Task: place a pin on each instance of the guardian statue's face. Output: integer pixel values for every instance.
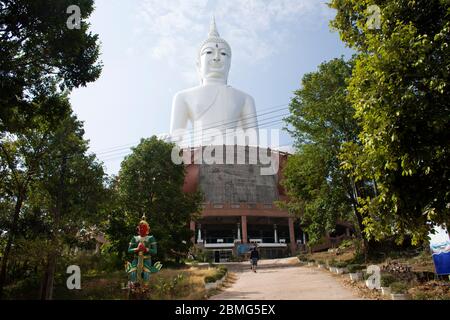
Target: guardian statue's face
(143, 229)
(214, 61)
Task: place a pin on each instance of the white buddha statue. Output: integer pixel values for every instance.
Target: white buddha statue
(213, 105)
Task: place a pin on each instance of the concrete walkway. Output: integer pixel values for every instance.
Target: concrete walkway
(283, 279)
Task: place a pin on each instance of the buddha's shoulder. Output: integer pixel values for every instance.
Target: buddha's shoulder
(240, 93)
(187, 92)
(200, 90)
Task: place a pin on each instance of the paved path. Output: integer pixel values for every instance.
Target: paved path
(283, 279)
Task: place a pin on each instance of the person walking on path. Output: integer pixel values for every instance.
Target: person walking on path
(254, 257)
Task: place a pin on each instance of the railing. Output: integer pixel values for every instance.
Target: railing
(250, 239)
(242, 205)
(219, 240)
(269, 239)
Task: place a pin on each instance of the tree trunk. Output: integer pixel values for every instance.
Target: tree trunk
(49, 275)
(48, 278)
(354, 196)
(9, 242)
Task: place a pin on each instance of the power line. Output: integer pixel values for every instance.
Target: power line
(261, 126)
(190, 131)
(212, 125)
(198, 139)
(257, 125)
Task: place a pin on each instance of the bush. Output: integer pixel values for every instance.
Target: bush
(320, 262)
(399, 287)
(169, 288)
(302, 258)
(346, 244)
(341, 264)
(367, 275)
(237, 258)
(210, 279)
(353, 268)
(332, 263)
(204, 256)
(221, 271)
(387, 279)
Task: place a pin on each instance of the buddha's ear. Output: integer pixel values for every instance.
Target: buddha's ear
(197, 64)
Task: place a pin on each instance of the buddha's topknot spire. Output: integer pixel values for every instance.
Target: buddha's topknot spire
(213, 33)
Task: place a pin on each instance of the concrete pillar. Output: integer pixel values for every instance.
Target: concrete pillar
(347, 232)
(304, 237)
(239, 231)
(275, 235)
(192, 227)
(292, 236)
(244, 229)
(199, 239)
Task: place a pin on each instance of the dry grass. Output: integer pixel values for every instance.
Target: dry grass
(191, 287)
(345, 255)
(421, 262)
(433, 290)
(164, 285)
(229, 281)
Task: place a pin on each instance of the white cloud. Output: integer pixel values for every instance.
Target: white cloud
(171, 31)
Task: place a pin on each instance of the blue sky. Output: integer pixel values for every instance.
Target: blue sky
(149, 50)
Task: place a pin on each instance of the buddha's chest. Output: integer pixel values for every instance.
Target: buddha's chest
(216, 107)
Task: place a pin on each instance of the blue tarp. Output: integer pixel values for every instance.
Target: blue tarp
(440, 248)
(244, 248)
(442, 263)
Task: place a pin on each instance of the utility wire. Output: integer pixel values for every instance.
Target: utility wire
(212, 125)
(261, 126)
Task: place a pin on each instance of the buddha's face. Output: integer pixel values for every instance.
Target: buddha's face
(214, 61)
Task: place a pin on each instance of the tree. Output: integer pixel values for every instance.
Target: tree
(49, 175)
(19, 166)
(319, 190)
(400, 92)
(150, 184)
(38, 52)
(41, 59)
(72, 192)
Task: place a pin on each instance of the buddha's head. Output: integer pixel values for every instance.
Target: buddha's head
(214, 57)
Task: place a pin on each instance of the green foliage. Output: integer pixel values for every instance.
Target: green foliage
(341, 264)
(320, 192)
(387, 279)
(399, 90)
(332, 263)
(221, 271)
(353, 268)
(49, 186)
(40, 53)
(346, 244)
(150, 184)
(170, 288)
(53, 189)
(399, 287)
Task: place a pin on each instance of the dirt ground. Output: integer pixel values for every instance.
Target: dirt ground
(283, 279)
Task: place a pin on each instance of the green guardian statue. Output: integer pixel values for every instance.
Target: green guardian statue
(142, 246)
